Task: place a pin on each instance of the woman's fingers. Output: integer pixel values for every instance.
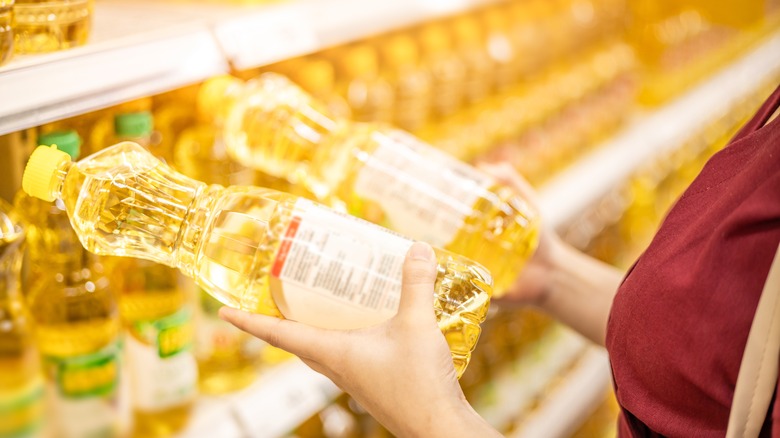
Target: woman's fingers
(419, 276)
(299, 339)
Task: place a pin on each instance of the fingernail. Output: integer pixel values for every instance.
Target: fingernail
(421, 251)
(224, 313)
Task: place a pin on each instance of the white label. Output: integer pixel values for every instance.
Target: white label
(163, 369)
(424, 193)
(337, 271)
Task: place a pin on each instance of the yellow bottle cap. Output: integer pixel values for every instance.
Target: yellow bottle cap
(400, 50)
(360, 60)
(41, 171)
(214, 94)
(434, 38)
(316, 76)
(466, 30)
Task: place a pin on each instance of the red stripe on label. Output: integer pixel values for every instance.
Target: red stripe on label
(284, 248)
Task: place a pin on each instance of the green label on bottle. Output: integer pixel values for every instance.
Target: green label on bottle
(21, 411)
(89, 375)
(171, 334)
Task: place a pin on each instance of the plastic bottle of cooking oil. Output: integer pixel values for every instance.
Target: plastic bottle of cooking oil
(448, 72)
(158, 321)
(227, 357)
(369, 95)
(501, 47)
(317, 76)
(6, 30)
(173, 114)
(77, 326)
(472, 49)
(413, 84)
(102, 133)
(379, 173)
(253, 248)
(46, 26)
(21, 382)
(159, 336)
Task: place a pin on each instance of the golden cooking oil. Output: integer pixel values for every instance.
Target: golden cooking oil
(228, 358)
(253, 248)
(45, 25)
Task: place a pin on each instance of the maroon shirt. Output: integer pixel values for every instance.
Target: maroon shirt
(680, 320)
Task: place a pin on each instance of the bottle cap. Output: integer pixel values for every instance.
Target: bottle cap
(133, 125)
(213, 93)
(400, 50)
(41, 171)
(66, 141)
(316, 76)
(360, 60)
(466, 30)
(434, 38)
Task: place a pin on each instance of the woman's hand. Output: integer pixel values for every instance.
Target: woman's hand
(400, 371)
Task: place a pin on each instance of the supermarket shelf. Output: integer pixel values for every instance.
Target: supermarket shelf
(572, 191)
(139, 48)
(570, 403)
(521, 384)
(282, 398)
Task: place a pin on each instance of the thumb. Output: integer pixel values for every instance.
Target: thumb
(419, 276)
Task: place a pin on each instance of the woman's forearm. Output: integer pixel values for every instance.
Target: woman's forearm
(579, 291)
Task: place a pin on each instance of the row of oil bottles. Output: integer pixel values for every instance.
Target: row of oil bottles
(615, 230)
(98, 345)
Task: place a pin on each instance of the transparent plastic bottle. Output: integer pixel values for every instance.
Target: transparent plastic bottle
(253, 248)
(74, 308)
(448, 71)
(6, 30)
(471, 47)
(382, 174)
(158, 321)
(501, 47)
(228, 358)
(412, 82)
(369, 95)
(46, 26)
(21, 382)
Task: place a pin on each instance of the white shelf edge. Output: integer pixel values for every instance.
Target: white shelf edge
(590, 178)
(565, 409)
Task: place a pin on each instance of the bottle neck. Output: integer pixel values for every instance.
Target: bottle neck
(193, 228)
(58, 180)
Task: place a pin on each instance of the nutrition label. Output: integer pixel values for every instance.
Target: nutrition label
(424, 193)
(336, 271)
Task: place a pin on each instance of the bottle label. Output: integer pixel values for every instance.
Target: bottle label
(84, 392)
(162, 367)
(215, 337)
(21, 411)
(333, 270)
(424, 193)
